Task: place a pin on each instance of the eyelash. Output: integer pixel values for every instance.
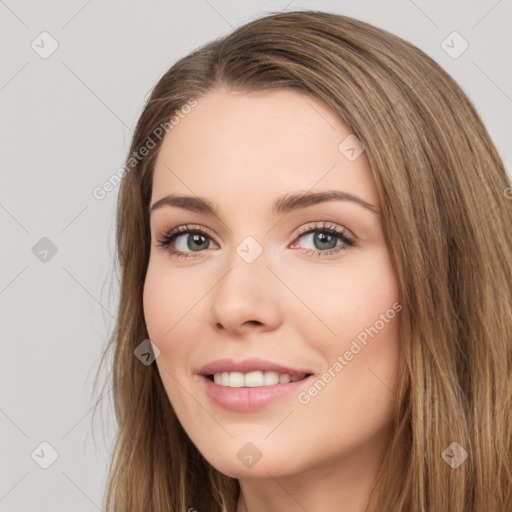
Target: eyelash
(168, 238)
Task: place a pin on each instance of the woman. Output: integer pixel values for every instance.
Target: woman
(314, 233)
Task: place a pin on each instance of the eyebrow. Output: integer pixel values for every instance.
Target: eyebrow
(283, 205)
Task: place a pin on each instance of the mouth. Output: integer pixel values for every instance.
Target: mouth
(251, 384)
(251, 391)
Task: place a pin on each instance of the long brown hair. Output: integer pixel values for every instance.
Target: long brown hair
(447, 222)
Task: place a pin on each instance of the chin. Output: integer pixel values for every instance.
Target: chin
(247, 460)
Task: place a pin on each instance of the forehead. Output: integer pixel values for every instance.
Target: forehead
(236, 147)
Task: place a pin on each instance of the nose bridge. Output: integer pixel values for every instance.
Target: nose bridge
(245, 293)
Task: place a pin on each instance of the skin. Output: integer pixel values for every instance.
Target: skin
(241, 151)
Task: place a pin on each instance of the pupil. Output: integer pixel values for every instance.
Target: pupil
(197, 239)
(325, 238)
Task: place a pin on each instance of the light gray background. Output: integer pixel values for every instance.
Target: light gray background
(66, 127)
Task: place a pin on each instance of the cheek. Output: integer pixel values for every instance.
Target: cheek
(156, 306)
(361, 306)
(348, 299)
(171, 305)
(358, 386)
(166, 300)
(163, 308)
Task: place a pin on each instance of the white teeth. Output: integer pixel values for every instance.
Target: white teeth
(270, 378)
(236, 380)
(254, 379)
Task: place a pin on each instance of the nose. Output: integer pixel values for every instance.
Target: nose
(246, 298)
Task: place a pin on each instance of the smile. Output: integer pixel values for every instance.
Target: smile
(246, 398)
(254, 379)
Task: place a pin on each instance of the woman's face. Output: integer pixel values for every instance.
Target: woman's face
(303, 286)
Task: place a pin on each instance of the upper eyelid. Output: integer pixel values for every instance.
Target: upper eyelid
(187, 229)
(312, 226)
(324, 225)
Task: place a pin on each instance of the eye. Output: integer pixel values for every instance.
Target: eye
(325, 238)
(181, 240)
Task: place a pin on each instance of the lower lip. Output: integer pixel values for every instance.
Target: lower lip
(249, 399)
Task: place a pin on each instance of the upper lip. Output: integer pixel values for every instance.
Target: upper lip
(248, 365)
